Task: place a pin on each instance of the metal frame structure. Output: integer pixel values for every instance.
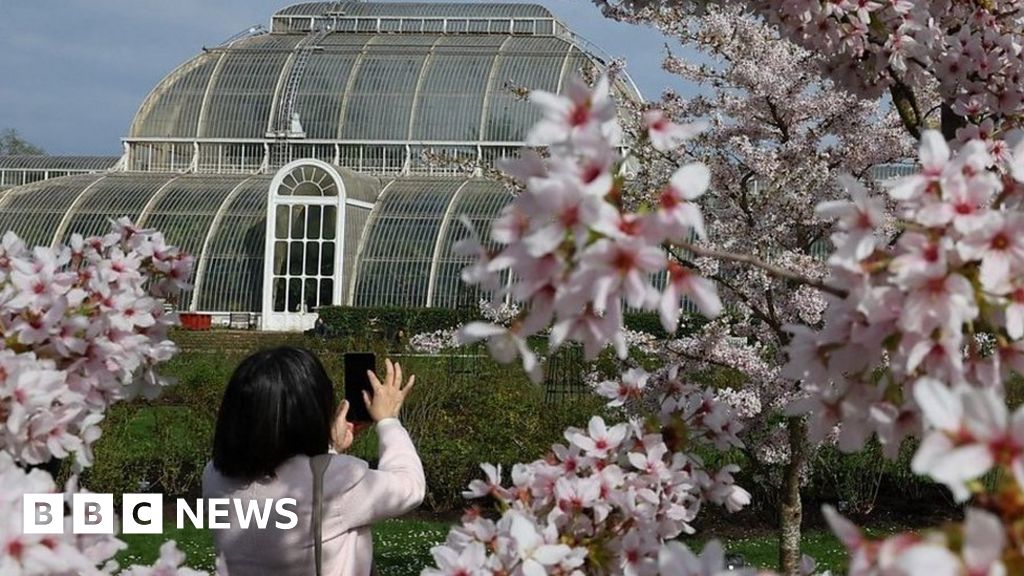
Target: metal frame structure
(22, 170)
(365, 86)
(342, 100)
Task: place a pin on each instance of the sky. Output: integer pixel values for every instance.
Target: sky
(74, 72)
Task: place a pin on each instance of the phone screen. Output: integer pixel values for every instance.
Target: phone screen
(356, 380)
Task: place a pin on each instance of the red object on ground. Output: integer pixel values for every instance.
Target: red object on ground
(192, 321)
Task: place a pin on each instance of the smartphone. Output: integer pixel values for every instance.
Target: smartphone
(356, 380)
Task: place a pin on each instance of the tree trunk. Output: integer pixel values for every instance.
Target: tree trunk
(951, 122)
(790, 508)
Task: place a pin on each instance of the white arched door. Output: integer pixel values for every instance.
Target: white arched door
(305, 244)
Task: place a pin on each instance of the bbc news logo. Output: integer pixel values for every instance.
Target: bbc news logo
(144, 513)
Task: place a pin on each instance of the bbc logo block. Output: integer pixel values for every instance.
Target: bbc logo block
(43, 514)
(142, 514)
(92, 514)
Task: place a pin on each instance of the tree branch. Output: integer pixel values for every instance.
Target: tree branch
(772, 269)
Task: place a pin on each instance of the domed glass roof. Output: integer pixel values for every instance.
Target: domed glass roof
(386, 72)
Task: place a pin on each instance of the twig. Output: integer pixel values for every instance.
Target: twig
(772, 269)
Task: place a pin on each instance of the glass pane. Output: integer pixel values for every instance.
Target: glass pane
(280, 257)
(311, 294)
(295, 260)
(313, 222)
(281, 222)
(279, 293)
(307, 189)
(327, 259)
(298, 221)
(294, 294)
(312, 258)
(326, 292)
(330, 222)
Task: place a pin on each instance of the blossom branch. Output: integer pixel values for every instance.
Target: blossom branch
(772, 269)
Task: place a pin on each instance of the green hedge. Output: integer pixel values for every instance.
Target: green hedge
(151, 448)
(390, 324)
(396, 325)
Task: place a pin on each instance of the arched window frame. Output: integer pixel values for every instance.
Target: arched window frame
(293, 176)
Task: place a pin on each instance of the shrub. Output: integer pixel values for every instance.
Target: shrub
(496, 416)
(390, 325)
(151, 448)
(201, 379)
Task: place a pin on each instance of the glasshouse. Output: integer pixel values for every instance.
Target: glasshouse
(320, 161)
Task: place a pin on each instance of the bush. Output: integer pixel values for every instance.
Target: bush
(391, 325)
(497, 416)
(151, 448)
(200, 381)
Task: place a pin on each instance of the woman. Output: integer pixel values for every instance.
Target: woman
(278, 411)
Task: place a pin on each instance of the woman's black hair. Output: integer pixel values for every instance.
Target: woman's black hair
(279, 403)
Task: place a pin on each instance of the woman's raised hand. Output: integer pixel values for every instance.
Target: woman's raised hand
(342, 431)
(388, 396)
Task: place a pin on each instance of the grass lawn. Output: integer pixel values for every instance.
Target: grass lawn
(402, 547)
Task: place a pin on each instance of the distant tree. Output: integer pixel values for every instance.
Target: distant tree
(11, 144)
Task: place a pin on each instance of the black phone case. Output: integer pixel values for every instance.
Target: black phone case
(356, 380)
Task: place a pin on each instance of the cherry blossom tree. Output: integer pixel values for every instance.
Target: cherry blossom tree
(778, 138)
(610, 497)
(922, 327)
(83, 326)
(952, 65)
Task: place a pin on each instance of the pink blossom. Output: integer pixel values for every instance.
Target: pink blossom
(582, 109)
(677, 215)
(665, 134)
(972, 431)
(599, 440)
(490, 487)
(998, 243)
(683, 282)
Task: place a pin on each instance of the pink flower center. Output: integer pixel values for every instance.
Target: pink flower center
(1004, 449)
(630, 227)
(937, 285)
(624, 261)
(15, 549)
(1000, 241)
(580, 115)
(668, 198)
(1018, 296)
(590, 173)
(677, 272)
(570, 216)
(601, 444)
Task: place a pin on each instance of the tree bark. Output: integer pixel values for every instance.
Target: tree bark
(790, 507)
(951, 122)
(905, 101)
